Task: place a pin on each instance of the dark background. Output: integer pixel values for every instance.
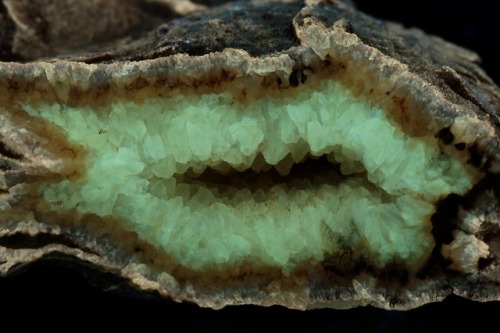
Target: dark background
(47, 295)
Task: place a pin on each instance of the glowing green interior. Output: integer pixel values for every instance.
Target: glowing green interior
(145, 158)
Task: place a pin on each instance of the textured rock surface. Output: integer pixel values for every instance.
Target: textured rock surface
(429, 87)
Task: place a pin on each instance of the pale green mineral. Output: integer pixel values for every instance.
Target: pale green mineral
(145, 159)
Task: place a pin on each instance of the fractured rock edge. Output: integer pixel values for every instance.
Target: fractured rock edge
(433, 79)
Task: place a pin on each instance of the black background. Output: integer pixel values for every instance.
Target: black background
(47, 295)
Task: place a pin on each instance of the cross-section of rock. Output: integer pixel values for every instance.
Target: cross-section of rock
(255, 152)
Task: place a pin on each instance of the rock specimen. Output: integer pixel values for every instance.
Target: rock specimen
(263, 152)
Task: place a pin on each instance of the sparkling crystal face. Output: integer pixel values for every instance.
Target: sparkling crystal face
(214, 182)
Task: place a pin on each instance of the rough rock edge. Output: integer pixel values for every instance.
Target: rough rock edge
(443, 88)
(44, 28)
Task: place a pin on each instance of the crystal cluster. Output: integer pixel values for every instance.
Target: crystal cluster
(145, 159)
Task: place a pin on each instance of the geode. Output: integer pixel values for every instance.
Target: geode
(255, 152)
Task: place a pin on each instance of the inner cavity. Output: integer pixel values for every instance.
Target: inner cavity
(312, 171)
(214, 183)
